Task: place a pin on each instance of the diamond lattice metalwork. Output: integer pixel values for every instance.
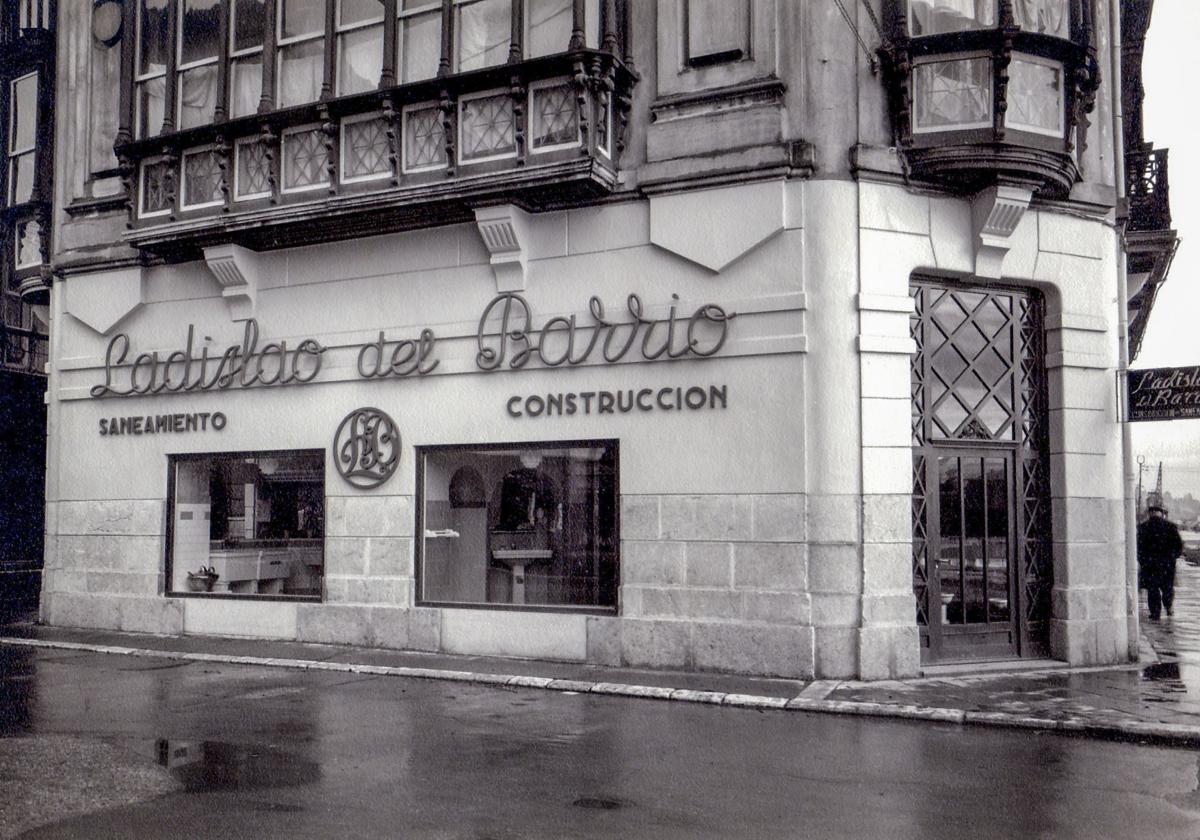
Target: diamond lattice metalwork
(366, 149)
(253, 169)
(424, 139)
(979, 380)
(156, 187)
(305, 159)
(201, 178)
(555, 116)
(487, 127)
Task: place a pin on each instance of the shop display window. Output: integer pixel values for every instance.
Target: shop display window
(247, 524)
(520, 525)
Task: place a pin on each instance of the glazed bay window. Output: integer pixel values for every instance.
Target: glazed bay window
(236, 110)
(993, 90)
(521, 525)
(246, 524)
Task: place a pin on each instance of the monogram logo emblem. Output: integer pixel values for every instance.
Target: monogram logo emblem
(366, 448)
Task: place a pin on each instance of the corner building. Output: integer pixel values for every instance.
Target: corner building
(729, 336)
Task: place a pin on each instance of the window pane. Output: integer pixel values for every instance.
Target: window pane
(21, 178)
(24, 116)
(483, 30)
(420, 47)
(301, 17)
(487, 127)
(932, 17)
(997, 539)
(952, 94)
(156, 194)
(253, 169)
(151, 106)
(1035, 97)
(555, 117)
(248, 525)
(305, 159)
(365, 149)
(246, 85)
(199, 30)
(359, 11)
(197, 96)
(424, 139)
(360, 60)
(950, 532)
(521, 525)
(201, 178)
(301, 71)
(591, 23)
(973, 533)
(550, 24)
(154, 40)
(1048, 16)
(249, 23)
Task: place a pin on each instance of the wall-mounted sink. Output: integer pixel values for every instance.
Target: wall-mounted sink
(517, 559)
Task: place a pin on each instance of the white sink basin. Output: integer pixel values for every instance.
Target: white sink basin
(521, 556)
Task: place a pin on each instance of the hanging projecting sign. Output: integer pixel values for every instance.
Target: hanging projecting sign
(1164, 394)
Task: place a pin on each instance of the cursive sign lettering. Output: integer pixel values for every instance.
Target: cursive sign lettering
(561, 340)
(185, 370)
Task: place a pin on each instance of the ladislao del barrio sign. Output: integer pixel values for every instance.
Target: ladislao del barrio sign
(1164, 393)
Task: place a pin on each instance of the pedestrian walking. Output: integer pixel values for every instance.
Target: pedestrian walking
(1158, 546)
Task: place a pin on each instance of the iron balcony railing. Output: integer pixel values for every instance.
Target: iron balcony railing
(1148, 190)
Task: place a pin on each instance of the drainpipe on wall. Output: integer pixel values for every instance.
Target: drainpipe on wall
(1131, 590)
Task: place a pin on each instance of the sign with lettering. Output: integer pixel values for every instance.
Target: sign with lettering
(1164, 394)
(508, 337)
(622, 401)
(162, 424)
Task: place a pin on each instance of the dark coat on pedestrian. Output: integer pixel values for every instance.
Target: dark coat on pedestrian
(1158, 545)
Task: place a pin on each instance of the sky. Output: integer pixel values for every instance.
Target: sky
(1172, 121)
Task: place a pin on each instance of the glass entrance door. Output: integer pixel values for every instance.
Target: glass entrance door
(971, 589)
(982, 570)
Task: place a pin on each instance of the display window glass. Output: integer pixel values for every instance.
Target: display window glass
(247, 524)
(519, 525)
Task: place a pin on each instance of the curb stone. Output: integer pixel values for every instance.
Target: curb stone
(1171, 734)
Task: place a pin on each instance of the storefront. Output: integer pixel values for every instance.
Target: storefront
(604, 466)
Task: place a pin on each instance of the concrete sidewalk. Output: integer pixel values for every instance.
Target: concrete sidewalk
(1155, 700)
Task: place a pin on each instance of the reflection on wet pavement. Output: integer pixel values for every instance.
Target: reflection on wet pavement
(18, 684)
(213, 765)
(1167, 691)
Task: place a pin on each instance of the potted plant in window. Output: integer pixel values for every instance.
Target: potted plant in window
(203, 580)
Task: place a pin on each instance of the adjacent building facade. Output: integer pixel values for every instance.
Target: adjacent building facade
(26, 99)
(761, 337)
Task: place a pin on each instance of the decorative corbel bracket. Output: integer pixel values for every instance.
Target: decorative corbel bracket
(505, 231)
(237, 269)
(996, 212)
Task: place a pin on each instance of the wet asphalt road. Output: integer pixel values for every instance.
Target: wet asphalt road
(98, 746)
